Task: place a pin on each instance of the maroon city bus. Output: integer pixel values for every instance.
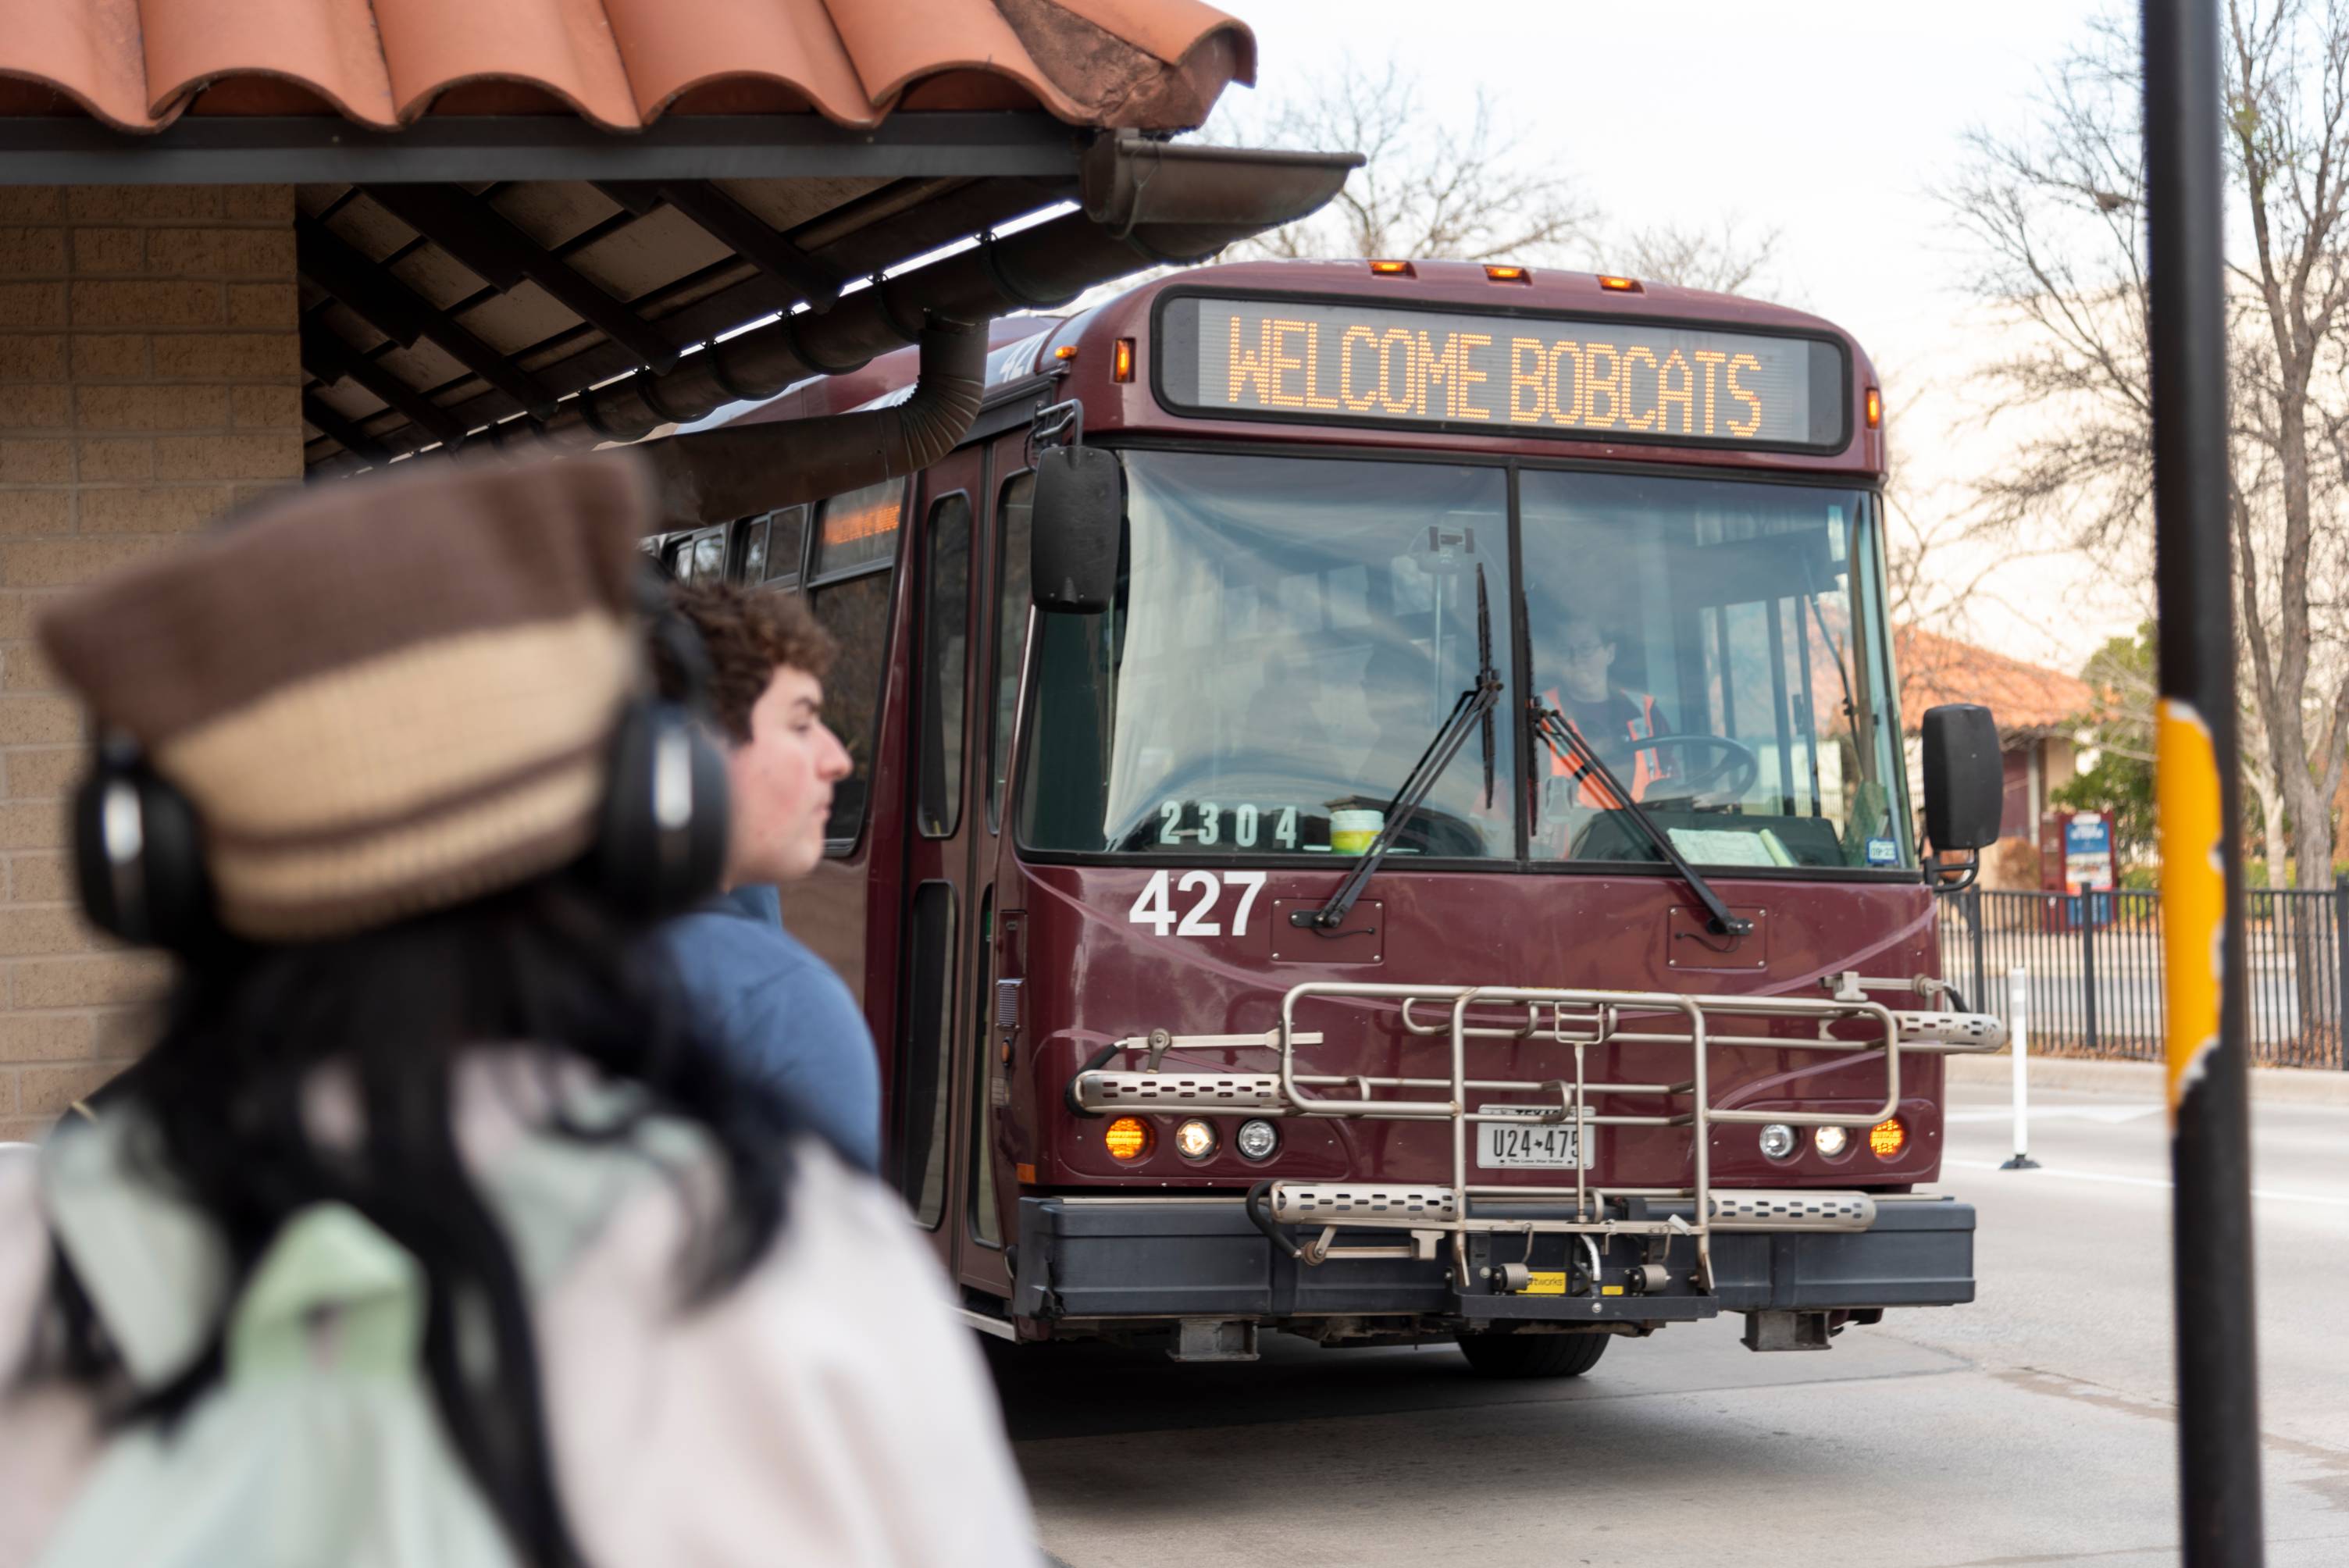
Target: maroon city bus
(1406, 836)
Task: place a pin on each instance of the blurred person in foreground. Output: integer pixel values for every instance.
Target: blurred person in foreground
(750, 987)
(415, 1238)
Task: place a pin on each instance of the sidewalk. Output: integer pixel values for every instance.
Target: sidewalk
(2269, 1086)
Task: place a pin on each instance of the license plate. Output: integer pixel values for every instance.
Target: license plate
(1501, 1146)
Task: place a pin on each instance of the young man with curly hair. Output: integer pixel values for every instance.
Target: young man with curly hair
(751, 988)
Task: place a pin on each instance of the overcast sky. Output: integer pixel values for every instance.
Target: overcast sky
(1832, 121)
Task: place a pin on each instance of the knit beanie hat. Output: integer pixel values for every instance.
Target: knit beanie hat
(383, 695)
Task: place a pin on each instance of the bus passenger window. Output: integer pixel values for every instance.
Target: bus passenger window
(786, 536)
(710, 556)
(1012, 513)
(855, 548)
(754, 551)
(946, 653)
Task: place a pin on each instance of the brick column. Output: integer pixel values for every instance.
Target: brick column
(149, 377)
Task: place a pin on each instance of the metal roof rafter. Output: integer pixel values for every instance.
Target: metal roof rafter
(397, 312)
(734, 225)
(356, 441)
(326, 356)
(501, 255)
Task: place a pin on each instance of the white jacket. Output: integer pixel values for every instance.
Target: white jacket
(829, 1411)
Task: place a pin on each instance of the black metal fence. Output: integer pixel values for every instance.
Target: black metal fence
(2092, 966)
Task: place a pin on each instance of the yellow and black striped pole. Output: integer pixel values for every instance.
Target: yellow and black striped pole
(2195, 779)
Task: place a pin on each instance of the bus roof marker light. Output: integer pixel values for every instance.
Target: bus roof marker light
(1887, 1139)
(1501, 274)
(1121, 360)
(1875, 409)
(1619, 285)
(1393, 270)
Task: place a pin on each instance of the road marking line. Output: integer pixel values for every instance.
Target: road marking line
(2260, 1192)
(2111, 1114)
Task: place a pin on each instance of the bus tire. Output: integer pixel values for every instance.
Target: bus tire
(1533, 1355)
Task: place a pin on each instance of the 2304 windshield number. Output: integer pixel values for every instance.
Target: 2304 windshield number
(1154, 907)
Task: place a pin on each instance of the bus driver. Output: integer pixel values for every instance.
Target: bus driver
(1613, 721)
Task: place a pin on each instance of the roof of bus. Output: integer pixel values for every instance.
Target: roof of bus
(1023, 345)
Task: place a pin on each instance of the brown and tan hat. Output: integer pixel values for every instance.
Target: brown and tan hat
(382, 697)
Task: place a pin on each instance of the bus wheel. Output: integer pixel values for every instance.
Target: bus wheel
(1533, 1355)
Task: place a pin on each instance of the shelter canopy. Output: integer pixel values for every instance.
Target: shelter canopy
(532, 217)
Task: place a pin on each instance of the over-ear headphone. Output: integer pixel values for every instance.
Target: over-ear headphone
(660, 841)
(660, 847)
(138, 856)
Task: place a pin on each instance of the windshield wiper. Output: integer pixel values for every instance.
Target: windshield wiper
(1550, 726)
(1473, 705)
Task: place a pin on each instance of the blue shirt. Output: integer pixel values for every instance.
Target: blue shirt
(785, 1015)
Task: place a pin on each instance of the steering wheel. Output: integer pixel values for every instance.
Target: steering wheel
(1731, 775)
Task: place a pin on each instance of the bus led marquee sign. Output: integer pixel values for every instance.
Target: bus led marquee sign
(1619, 378)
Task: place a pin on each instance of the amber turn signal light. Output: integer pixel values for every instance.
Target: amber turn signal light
(1065, 353)
(1875, 409)
(1621, 285)
(1121, 360)
(1127, 1138)
(1887, 1139)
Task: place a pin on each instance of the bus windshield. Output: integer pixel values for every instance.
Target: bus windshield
(1291, 634)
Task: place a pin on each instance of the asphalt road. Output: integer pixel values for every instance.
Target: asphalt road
(2034, 1425)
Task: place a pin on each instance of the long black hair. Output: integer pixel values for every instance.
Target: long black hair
(247, 1027)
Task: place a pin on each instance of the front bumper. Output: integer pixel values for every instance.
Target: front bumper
(1165, 1258)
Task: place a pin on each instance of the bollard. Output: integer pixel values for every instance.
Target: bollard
(2018, 1034)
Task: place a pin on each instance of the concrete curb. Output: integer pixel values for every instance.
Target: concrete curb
(2269, 1086)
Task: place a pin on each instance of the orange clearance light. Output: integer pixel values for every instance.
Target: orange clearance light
(1128, 1139)
(1887, 1139)
(1875, 409)
(1026, 1172)
(1621, 285)
(1507, 275)
(1392, 270)
(1065, 352)
(1121, 362)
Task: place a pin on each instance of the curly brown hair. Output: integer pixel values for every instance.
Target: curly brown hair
(749, 633)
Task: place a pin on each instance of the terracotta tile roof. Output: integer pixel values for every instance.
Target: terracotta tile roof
(138, 64)
(1937, 669)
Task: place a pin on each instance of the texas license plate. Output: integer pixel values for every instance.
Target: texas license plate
(1502, 1145)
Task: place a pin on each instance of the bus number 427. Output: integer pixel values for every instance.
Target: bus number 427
(1155, 908)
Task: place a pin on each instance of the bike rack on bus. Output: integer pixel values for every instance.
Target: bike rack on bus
(1580, 1018)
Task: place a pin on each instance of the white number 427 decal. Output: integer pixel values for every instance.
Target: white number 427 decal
(1155, 908)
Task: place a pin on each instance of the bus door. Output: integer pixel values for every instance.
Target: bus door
(940, 911)
(1000, 641)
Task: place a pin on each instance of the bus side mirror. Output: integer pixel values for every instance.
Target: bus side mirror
(1965, 778)
(1073, 548)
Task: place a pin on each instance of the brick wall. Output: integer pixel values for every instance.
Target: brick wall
(150, 375)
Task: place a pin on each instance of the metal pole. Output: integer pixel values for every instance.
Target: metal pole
(2088, 963)
(2341, 972)
(2198, 793)
(2018, 1034)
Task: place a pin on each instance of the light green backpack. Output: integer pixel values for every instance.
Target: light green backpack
(321, 1443)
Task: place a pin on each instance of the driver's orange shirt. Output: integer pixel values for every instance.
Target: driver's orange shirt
(1646, 767)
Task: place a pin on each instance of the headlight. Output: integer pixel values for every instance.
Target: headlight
(1194, 1140)
(1831, 1141)
(1257, 1139)
(1778, 1140)
(1127, 1138)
